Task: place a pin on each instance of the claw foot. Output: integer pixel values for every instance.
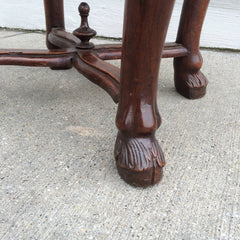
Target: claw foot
(139, 160)
(191, 85)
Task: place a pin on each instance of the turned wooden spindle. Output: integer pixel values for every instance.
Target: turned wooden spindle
(84, 32)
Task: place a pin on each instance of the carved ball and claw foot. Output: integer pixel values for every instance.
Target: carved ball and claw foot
(139, 160)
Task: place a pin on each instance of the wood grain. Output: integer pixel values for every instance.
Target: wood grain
(139, 157)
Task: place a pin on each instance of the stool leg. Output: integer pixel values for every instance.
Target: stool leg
(54, 13)
(138, 155)
(189, 81)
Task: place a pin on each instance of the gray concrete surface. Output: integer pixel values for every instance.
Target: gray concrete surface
(58, 176)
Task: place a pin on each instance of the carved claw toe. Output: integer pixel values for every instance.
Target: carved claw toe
(191, 85)
(139, 160)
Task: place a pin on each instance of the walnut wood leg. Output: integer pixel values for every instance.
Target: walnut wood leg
(189, 80)
(54, 12)
(138, 155)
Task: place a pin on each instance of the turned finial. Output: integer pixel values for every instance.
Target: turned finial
(84, 32)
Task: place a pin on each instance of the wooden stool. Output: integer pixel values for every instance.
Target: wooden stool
(138, 155)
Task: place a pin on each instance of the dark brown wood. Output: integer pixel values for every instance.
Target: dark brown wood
(189, 80)
(37, 58)
(138, 155)
(114, 51)
(54, 13)
(174, 50)
(109, 51)
(37, 52)
(84, 32)
(99, 72)
(109, 69)
(62, 39)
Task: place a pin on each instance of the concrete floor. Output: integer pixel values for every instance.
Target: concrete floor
(57, 172)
